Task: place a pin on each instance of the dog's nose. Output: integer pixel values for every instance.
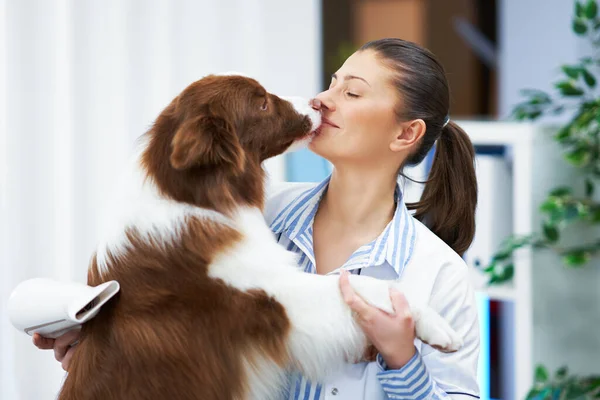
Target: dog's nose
(315, 104)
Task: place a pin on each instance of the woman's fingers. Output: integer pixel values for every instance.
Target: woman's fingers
(400, 304)
(67, 359)
(63, 346)
(392, 335)
(63, 343)
(42, 343)
(359, 307)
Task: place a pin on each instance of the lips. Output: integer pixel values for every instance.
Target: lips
(316, 132)
(325, 121)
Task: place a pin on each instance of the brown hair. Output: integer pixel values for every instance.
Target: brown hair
(447, 205)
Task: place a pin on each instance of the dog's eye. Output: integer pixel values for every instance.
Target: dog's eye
(264, 106)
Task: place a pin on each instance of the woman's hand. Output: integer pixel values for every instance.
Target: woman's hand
(63, 346)
(392, 335)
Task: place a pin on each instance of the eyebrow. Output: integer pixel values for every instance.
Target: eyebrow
(349, 77)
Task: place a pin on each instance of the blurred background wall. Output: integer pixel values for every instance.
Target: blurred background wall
(79, 81)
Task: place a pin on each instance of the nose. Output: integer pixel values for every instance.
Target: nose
(315, 104)
(323, 102)
(306, 108)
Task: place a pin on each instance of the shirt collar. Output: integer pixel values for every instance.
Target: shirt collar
(394, 245)
(298, 215)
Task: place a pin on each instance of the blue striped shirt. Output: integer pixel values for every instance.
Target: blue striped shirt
(390, 251)
(293, 227)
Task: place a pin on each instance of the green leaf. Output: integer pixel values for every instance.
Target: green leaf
(501, 255)
(594, 383)
(541, 374)
(561, 191)
(534, 115)
(550, 206)
(534, 93)
(589, 188)
(588, 78)
(551, 232)
(519, 114)
(579, 26)
(583, 119)
(571, 72)
(582, 210)
(526, 110)
(540, 244)
(579, 157)
(509, 272)
(563, 135)
(561, 373)
(568, 88)
(576, 258)
(591, 9)
(576, 390)
(537, 97)
(595, 214)
(532, 395)
(579, 10)
(501, 274)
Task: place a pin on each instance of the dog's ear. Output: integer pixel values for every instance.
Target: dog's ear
(204, 141)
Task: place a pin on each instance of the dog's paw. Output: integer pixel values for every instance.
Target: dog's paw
(433, 330)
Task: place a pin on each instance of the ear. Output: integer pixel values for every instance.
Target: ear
(204, 141)
(409, 134)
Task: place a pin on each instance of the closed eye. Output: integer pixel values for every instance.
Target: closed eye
(352, 95)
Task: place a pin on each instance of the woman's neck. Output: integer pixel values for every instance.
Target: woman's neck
(359, 199)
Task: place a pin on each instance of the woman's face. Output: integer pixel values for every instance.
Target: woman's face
(359, 120)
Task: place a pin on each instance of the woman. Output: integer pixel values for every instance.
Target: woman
(385, 108)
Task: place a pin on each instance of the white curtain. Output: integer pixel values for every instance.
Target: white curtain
(79, 80)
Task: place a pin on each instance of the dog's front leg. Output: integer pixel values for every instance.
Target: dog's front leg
(430, 327)
(324, 333)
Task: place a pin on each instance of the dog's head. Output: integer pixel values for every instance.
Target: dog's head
(227, 121)
(220, 129)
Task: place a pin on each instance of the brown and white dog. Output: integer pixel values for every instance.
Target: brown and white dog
(211, 307)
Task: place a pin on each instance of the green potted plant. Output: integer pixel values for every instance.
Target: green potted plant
(563, 386)
(576, 94)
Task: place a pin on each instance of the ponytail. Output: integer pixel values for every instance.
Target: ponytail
(447, 205)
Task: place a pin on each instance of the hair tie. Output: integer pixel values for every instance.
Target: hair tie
(446, 121)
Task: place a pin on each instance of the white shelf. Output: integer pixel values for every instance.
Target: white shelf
(504, 292)
(550, 303)
(518, 139)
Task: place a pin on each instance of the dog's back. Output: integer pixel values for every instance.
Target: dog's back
(173, 330)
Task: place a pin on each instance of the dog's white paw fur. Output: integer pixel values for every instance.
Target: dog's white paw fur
(430, 327)
(375, 292)
(433, 330)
